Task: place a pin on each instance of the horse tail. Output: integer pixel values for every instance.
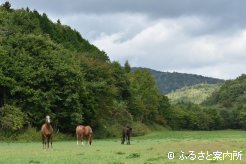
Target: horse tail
(90, 139)
(90, 135)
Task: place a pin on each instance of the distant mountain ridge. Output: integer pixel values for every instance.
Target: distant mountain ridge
(168, 82)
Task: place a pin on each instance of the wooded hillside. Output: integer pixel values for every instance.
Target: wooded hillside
(48, 68)
(225, 108)
(170, 81)
(194, 94)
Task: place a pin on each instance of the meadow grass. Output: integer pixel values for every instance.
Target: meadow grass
(148, 149)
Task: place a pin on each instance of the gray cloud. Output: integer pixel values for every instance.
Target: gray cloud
(229, 14)
(167, 8)
(229, 9)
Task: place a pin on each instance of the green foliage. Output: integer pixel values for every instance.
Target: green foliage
(11, 118)
(43, 76)
(107, 86)
(127, 67)
(26, 22)
(145, 96)
(233, 118)
(40, 70)
(6, 5)
(28, 135)
(243, 119)
(194, 117)
(111, 125)
(76, 119)
(232, 93)
(194, 94)
(230, 101)
(139, 129)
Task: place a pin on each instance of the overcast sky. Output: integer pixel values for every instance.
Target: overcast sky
(205, 37)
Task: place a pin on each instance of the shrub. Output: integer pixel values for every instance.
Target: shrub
(11, 118)
(30, 134)
(139, 129)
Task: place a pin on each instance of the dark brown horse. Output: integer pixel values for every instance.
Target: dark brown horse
(46, 132)
(126, 134)
(82, 131)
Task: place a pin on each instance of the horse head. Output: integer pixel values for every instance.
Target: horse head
(47, 119)
(129, 129)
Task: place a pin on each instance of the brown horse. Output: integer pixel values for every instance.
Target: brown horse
(46, 132)
(126, 134)
(82, 131)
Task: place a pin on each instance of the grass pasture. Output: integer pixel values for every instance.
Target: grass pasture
(149, 149)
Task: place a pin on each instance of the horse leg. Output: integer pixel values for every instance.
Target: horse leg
(87, 140)
(43, 139)
(82, 143)
(90, 139)
(128, 139)
(45, 142)
(48, 142)
(51, 138)
(122, 139)
(77, 139)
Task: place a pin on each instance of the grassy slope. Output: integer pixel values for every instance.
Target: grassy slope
(195, 94)
(152, 148)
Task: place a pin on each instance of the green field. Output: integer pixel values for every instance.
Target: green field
(152, 148)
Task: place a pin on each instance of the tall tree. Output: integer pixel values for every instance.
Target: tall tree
(145, 96)
(7, 5)
(127, 67)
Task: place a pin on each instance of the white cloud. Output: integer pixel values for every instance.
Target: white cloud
(92, 26)
(168, 44)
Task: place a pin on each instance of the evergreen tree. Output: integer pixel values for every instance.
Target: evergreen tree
(127, 67)
(7, 5)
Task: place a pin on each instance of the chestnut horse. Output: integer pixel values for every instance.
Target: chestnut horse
(82, 131)
(126, 134)
(46, 132)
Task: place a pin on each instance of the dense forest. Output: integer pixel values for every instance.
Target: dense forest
(49, 68)
(170, 81)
